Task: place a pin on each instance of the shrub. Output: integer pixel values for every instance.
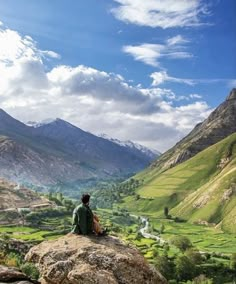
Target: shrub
(233, 261)
(181, 242)
(30, 270)
(202, 279)
(194, 256)
(185, 269)
(165, 266)
(13, 259)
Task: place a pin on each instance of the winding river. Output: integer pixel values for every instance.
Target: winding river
(144, 230)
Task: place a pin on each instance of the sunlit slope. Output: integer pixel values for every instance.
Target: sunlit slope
(215, 201)
(213, 170)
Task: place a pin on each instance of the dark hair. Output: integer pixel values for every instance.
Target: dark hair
(85, 198)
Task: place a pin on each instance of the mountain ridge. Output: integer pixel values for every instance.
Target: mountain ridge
(59, 151)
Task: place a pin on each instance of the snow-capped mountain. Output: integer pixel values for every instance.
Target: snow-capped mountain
(151, 153)
(36, 124)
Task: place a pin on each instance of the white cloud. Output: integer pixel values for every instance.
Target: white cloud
(159, 13)
(94, 100)
(176, 40)
(162, 77)
(195, 96)
(151, 54)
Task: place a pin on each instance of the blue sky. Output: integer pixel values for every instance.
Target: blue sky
(148, 70)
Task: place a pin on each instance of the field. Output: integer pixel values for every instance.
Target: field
(54, 228)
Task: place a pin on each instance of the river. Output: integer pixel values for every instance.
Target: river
(144, 230)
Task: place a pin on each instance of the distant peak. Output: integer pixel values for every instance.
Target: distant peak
(232, 95)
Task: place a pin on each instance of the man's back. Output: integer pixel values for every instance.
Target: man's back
(82, 220)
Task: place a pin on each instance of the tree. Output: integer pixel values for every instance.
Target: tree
(162, 228)
(194, 255)
(165, 266)
(184, 268)
(181, 242)
(166, 248)
(137, 197)
(138, 236)
(166, 212)
(233, 262)
(202, 279)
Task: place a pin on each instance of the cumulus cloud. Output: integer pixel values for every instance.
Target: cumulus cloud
(95, 100)
(151, 54)
(159, 13)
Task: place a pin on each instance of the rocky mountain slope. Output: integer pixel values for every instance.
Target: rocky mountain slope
(57, 151)
(220, 124)
(13, 198)
(85, 260)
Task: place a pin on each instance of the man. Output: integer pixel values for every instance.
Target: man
(84, 221)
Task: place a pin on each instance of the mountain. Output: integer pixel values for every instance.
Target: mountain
(201, 187)
(136, 148)
(56, 152)
(220, 124)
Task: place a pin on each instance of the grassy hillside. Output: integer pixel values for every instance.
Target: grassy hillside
(201, 189)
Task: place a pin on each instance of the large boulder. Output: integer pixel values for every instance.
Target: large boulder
(74, 259)
(12, 275)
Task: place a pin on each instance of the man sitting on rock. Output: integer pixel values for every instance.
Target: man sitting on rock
(84, 221)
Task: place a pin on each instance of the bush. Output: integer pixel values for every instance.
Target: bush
(13, 259)
(202, 279)
(184, 267)
(30, 270)
(165, 266)
(233, 262)
(194, 256)
(181, 242)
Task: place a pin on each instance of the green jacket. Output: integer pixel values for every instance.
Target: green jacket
(82, 220)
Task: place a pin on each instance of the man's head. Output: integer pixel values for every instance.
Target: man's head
(85, 198)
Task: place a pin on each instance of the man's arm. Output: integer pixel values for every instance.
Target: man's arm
(75, 225)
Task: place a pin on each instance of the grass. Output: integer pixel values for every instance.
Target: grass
(208, 239)
(55, 228)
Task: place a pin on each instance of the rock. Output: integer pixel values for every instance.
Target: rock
(232, 95)
(87, 260)
(13, 276)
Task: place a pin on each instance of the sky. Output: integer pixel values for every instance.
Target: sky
(146, 71)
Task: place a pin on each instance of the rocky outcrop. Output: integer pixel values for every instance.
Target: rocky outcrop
(87, 260)
(220, 124)
(12, 275)
(16, 245)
